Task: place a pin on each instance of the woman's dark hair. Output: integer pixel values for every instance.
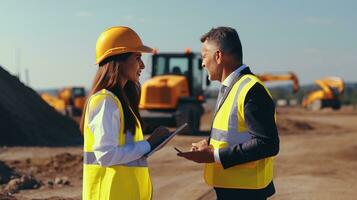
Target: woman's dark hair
(108, 77)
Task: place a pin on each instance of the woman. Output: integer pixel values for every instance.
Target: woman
(114, 163)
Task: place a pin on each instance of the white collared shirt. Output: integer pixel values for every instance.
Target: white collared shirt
(104, 122)
(230, 78)
(227, 82)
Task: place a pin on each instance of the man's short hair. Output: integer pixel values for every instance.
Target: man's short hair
(227, 40)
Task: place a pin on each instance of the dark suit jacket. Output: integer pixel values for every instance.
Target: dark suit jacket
(259, 113)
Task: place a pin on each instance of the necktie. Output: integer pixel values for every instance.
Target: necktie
(222, 89)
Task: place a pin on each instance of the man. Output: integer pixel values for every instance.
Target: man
(244, 137)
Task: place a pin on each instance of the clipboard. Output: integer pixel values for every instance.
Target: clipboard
(178, 130)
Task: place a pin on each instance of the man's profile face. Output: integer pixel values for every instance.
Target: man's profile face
(209, 61)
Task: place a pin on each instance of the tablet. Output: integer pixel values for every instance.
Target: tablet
(163, 143)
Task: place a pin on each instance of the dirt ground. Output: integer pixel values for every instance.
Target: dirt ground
(317, 160)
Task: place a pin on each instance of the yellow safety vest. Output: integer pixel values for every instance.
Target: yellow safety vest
(129, 181)
(229, 128)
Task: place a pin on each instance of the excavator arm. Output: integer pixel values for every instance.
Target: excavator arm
(281, 77)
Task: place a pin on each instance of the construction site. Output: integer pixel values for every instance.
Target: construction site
(178, 100)
(41, 146)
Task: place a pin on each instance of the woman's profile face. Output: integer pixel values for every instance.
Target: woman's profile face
(132, 67)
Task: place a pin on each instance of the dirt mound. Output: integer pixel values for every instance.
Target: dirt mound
(7, 197)
(53, 170)
(21, 183)
(62, 164)
(58, 171)
(12, 181)
(288, 126)
(27, 120)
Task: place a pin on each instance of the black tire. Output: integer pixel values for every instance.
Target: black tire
(190, 113)
(194, 122)
(336, 105)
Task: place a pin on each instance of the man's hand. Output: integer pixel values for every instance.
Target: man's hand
(157, 136)
(203, 156)
(199, 146)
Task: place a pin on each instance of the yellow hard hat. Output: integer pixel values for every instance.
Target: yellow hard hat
(117, 40)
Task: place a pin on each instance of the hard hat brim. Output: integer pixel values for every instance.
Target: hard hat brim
(146, 49)
(121, 50)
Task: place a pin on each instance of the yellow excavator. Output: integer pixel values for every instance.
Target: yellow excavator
(290, 76)
(174, 94)
(327, 95)
(69, 101)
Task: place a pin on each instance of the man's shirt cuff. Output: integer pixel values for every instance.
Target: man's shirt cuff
(216, 156)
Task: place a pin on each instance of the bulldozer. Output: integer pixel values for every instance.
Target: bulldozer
(69, 101)
(327, 95)
(174, 93)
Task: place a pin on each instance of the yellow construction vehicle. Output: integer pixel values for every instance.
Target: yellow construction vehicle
(327, 95)
(69, 101)
(290, 76)
(174, 94)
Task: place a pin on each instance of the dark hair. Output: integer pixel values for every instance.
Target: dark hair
(227, 40)
(108, 77)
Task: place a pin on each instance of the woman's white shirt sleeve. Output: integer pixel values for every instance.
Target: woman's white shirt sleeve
(104, 122)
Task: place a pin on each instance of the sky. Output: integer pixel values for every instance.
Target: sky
(54, 40)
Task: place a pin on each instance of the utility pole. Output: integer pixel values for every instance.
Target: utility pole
(27, 76)
(17, 62)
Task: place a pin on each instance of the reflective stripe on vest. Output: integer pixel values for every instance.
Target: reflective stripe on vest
(128, 181)
(229, 129)
(90, 159)
(231, 137)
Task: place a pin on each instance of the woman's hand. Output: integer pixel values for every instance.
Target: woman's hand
(158, 136)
